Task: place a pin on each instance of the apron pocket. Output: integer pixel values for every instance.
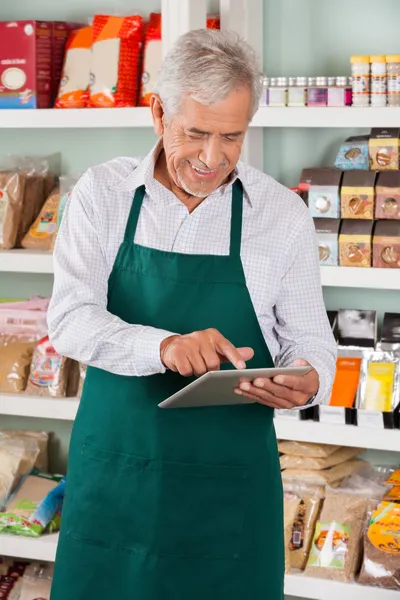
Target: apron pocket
(200, 510)
(112, 499)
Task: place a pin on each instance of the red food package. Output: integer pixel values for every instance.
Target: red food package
(116, 58)
(213, 22)
(152, 58)
(75, 81)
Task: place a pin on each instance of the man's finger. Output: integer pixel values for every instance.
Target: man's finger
(281, 391)
(272, 402)
(210, 357)
(264, 396)
(197, 361)
(229, 353)
(300, 383)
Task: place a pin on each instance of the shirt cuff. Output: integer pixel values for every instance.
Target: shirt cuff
(147, 356)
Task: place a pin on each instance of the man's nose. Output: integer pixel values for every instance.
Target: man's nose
(212, 154)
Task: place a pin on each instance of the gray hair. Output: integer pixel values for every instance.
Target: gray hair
(207, 65)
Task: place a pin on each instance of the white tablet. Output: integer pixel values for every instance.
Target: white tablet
(216, 388)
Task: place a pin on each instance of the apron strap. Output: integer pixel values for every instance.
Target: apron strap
(134, 213)
(236, 219)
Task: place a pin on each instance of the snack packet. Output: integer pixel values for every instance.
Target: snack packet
(75, 81)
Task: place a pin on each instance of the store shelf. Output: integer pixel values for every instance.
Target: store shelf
(43, 549)
(86, 118)
(353, 277)
(342, 435)
(44, 408)
(25, 261)
(327, 117)
(106, 118)
(300, 586)
(28, 261)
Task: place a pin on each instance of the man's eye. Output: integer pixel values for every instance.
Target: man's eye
(195, 137)
(231, 138)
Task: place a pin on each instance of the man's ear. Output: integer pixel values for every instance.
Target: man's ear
(157, 111)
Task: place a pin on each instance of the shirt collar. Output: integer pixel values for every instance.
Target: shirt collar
(143, 174)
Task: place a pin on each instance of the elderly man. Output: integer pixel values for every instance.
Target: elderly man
(165, 268)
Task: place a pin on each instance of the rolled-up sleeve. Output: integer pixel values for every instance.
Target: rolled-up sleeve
(302, 325)
(80, 325)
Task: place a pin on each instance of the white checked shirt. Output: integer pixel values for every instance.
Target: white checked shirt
(279, 255)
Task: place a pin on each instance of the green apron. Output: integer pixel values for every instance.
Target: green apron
(182, 504)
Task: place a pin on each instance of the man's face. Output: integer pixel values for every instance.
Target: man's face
(202, 144)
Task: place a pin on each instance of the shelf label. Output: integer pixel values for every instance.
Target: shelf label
(332, 414)
(292, 415)
(370, 418)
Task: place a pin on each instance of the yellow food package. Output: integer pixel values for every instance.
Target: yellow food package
(379, 382)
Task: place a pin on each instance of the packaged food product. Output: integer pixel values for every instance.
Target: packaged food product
(336, 458)
(40, 437)
(12, 189)
(15, 362)
(336, 547)
(82, 373)
(306, 449)
(388, 195)
(66, 186)
(394, 478)
(35, 507)
(60, 32)
(152, 58)
(49, 371)
(36, 582)
(43, 231)
(75, 80)
(380, 379)
(357, 328)
(386, 245)
(290, 510)
(324, 477)
(358, 195)
(17, 459)
(116, 56)
(324, 193)
(381, 564)
(327, 231)
(213, 22)
(355, 243)
(302, 533)
(353, 154)
(384, 149)
(345, 385)
(22, 325)
(393, 495)
(25, 64)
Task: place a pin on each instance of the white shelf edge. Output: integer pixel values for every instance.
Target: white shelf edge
(358, 277)
(30, 261)
(140, 117)
(342, 435)
(86, 118)
(326, 117)
(20, 405)
(45, 548)
(300, 586)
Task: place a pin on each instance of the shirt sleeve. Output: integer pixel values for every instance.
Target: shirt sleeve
(302, 325)
(80, 325)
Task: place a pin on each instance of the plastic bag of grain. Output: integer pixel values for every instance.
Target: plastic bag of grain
(42, 439)
(310, 502)
(15, 362)
(325, 476)
(290, 508)
(12, 190)
(40, 236)
(75, 81)
(306, 449)
(336, 547)
(49, 371)
(288, 461)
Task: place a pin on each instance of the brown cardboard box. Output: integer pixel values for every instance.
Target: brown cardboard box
(327, 231)
(358, 195)
(355, 243)
(25, 64)
(387, 204)
(386, 251)
(384, 149)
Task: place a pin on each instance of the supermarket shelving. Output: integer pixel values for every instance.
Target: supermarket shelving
(298, 586)
(21, 405)
(29, 261)
(128, 118)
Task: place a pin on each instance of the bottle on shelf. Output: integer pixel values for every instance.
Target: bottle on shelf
(393, 76)
(264, 101)
(297, 91)
(278, 91)
(378, 81)
(340, 93)
(360, 70)
(318, 93)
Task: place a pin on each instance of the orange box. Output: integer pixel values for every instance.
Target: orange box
(346, 382)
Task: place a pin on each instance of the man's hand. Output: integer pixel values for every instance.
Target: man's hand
(284, 391)
(200, 352)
